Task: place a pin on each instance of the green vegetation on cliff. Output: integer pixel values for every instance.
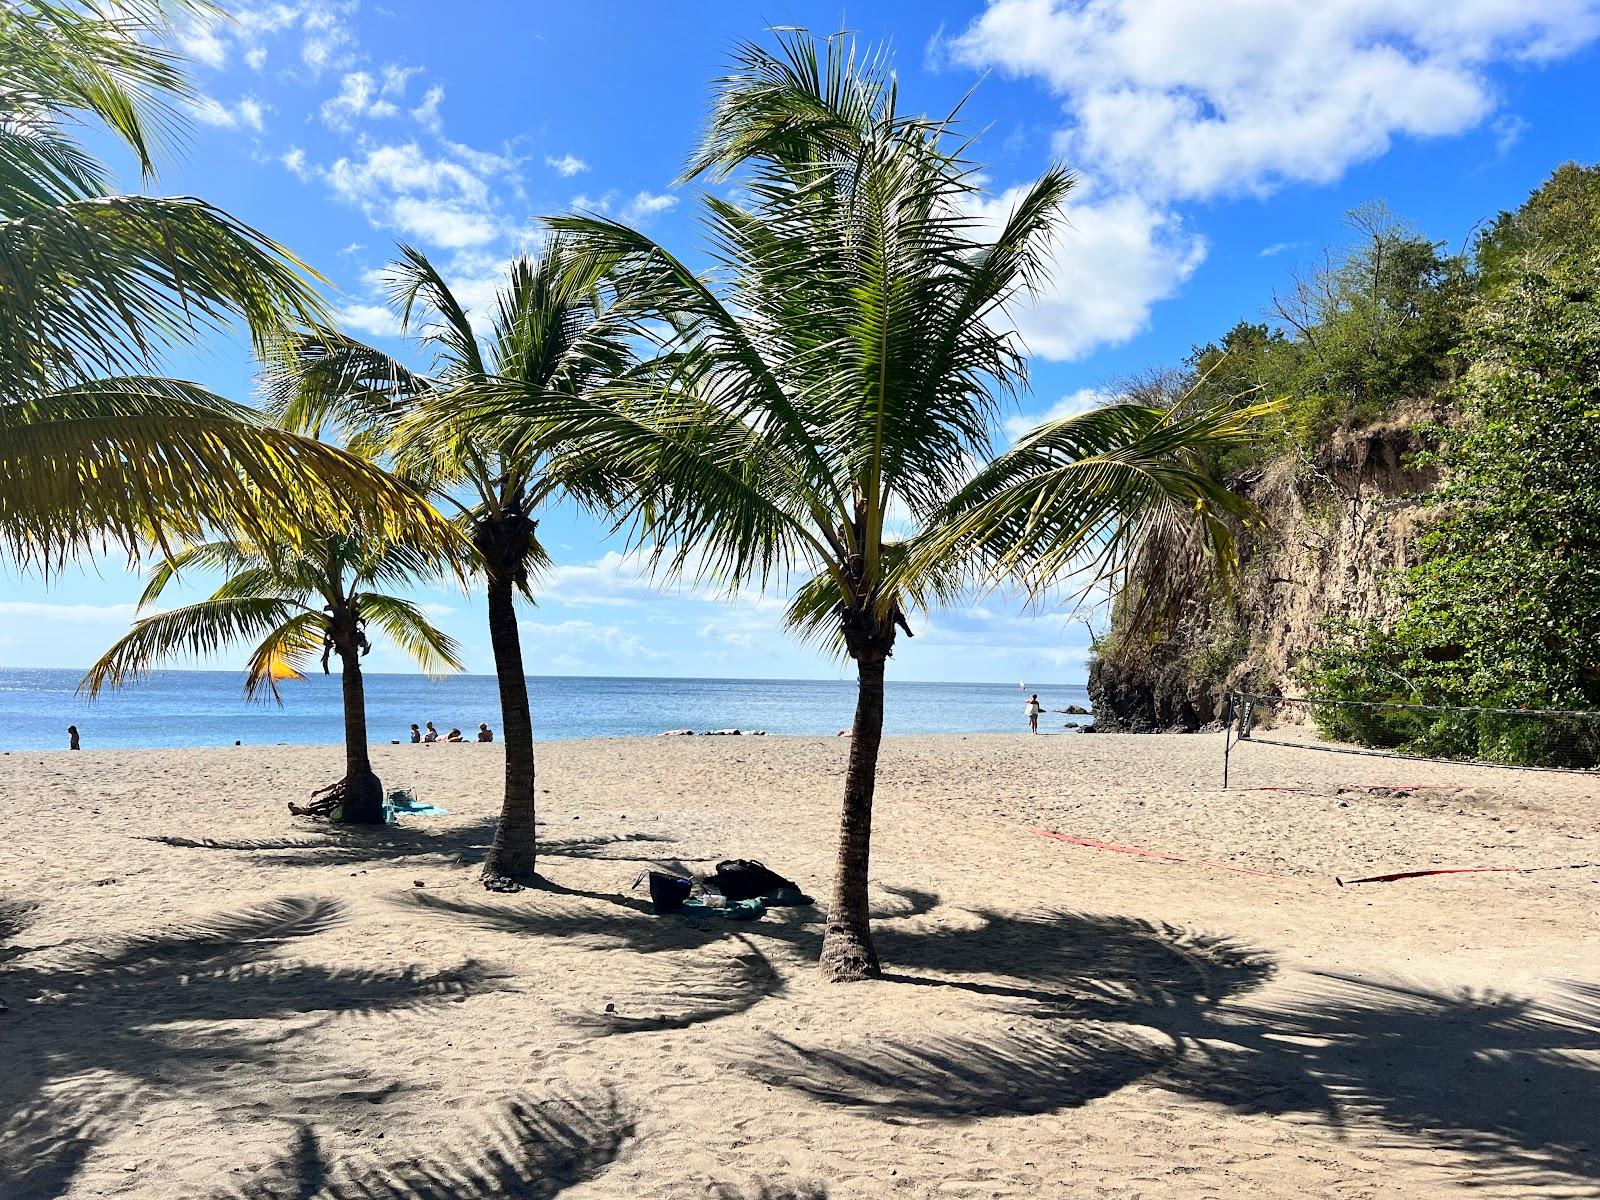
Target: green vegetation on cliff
(1484, 371)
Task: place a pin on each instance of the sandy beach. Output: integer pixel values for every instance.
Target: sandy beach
(205, 997)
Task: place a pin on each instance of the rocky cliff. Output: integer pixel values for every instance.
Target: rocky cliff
(1337, 523)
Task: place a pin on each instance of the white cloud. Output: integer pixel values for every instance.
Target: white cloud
(636, 211)
(1508, 130)
(645, 205)
(426, 114)
(1276, 249)
(294, 158)
(442, 222)
(1070, 405)
(327, 40)
(568, 164)
(247, 113)
(256, 57)
(573, 639)
(1178, 99)
(376, 320)
(1117, 256)
(204, 43)
(361, 97)
(436, 199)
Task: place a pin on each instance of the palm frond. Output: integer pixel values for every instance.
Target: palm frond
(101, 286)
(126, 460)
(408, 627)
(196, 630)
(1080, 494)
(285, 653)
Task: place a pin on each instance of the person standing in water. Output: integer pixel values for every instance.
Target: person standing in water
(72, 737)
(1034, 709)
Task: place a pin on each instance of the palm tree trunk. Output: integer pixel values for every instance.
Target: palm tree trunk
(847, 950)
(363, 793)
(513, 853)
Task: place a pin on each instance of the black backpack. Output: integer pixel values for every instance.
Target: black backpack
(742, 879)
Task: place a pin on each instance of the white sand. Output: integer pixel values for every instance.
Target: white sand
(289, 1007)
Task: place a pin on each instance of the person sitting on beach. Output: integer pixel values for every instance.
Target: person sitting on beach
(72, 737)
(1034, 709)
(432, 735)
(485, 734)
(453, 736)
(416, 734)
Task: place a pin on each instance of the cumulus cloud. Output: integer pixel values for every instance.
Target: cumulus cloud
(375, 320)
(1177, 99)
(567, 164)
(363, 96)
(638, 210)
(1070, 405)
(1167, 101)
(1118, 255)
(436, 199)
(568, 642)
(246, 113)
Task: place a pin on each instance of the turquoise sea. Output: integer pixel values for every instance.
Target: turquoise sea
(207, 708)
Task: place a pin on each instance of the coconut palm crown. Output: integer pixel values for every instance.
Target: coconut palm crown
(820, 409)
(294, 609)
(547, 339)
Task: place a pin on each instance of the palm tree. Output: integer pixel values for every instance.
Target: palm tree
(548, 339)
(94, 448)
(294, 607)
(839, 374)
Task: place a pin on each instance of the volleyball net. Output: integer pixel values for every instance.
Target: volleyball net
(1525, 739)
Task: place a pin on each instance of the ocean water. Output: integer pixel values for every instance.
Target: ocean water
(207, 708)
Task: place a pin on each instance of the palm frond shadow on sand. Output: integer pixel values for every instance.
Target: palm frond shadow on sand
(1086, 1004)
(176, 1011)
(351, 845)
(530, 1150)
(708, 968)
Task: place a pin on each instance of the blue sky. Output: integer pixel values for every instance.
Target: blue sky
(1218, 143)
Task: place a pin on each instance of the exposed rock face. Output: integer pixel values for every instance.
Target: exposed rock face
(1337, 527)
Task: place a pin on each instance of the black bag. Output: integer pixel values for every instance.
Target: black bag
(668, 892)
(742, 879)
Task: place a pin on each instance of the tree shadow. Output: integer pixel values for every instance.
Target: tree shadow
(533, 1150)
(346, 845)
(171, 1012)
(1088, 1004)
(766, 1189)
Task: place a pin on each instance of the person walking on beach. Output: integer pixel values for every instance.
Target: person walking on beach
(72, 737)
(1034, 709)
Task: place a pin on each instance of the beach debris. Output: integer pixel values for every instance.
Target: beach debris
(419, 883)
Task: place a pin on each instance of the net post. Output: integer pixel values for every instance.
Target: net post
(1227, 733)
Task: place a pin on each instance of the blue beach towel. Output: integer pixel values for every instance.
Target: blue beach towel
(402, 802)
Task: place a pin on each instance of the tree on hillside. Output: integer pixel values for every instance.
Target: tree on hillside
(318, 601)
(547, 338)
(847, 357)
(1503, 610)
(94, 286)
